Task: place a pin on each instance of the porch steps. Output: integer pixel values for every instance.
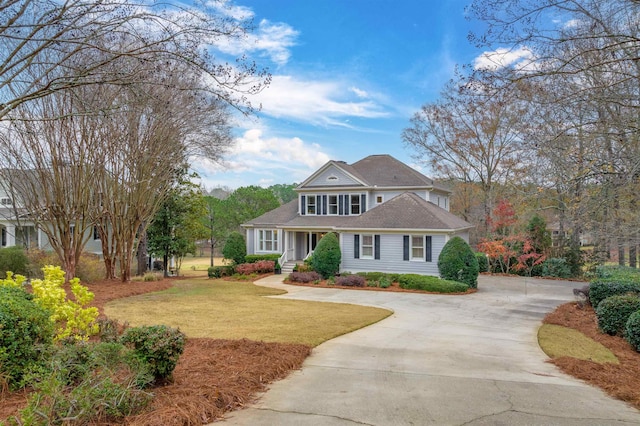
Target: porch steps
(287, 268)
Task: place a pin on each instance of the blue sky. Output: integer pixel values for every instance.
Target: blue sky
(347, 77)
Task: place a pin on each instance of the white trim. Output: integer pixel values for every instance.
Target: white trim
(372, 245)
(422, 247)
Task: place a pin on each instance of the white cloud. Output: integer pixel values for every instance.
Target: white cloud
(520, 58)
(225, 7)
(258, 160)
(359, 92)
(316, 102)
(269, 39)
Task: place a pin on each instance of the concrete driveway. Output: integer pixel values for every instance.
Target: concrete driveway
(438, 360)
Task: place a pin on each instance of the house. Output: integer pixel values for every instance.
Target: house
(388, 217)
(18, 229)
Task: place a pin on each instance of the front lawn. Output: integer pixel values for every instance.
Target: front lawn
(221, 309)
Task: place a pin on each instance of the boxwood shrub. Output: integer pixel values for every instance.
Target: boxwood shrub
(457, 262)
(632, 330)
(429, 283)
(483, 262)
(602, 288)
(613, 313)
(253, 258)
(157, 346)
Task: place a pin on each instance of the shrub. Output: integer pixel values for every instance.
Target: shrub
(556, 267)
(616, 271)
(429, 283)
(613, 313)
(13, 259)
(385, 282)
(90, 383)
(72, 318)
(304, 277)
(351, 281)
(235, 249)
(632, 330)
(158, 265)
(483, 262)
(25, 328)
(220, 271)
(372, 276)
(157, 346)
(602, 288)
(259, 267)
(326, 257)
(304, 267)
(457, 262)
(253, 258)
(90, 268)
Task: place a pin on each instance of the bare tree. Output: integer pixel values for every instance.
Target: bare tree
(47, 167)
(471, 134)
(49, 46)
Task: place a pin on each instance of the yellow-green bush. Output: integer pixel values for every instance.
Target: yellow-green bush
(72, 319)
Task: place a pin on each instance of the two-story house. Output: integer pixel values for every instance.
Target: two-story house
(388, 216)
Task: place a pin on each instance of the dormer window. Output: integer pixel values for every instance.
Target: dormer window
(6, 202)
(332, 178)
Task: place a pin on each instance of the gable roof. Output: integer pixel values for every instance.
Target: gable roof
(380, 171)
(407, 211)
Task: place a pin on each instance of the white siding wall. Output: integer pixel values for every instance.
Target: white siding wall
(440, 200)
(391, 256)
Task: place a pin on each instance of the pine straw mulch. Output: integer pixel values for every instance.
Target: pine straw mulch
(622, 380)
(213, 376)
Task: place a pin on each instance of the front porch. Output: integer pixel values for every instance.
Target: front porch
(297, 246)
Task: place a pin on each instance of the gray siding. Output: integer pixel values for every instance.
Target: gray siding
(251, 239)
(439, 199)
(391, 256)
(342, 179)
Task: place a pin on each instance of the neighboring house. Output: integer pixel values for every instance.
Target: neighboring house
(586, 239)
(388, 217)
(17, 229)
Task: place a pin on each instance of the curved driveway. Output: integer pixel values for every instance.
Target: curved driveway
(438, 360)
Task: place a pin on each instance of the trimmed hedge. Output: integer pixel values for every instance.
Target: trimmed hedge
(13, 259)
(632, 330)
(613, 313)
(221, 271)
(457, 262)
(253, 258)
(429, 283)
(602, 288)
(259, 267)
(304, 277)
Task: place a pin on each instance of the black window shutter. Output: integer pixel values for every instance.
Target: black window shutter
(405, 250)
(427, 248)
(324, 204)
(356, 246)
(363, 203)
(376, 246)
(318, 204)
(340, 205)
(303, 205)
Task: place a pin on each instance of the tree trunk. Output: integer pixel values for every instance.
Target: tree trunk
(632, 254)
(142, 254)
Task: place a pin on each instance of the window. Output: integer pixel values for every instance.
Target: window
(268, 240)
(417, 247)
(367, 246)
(355, 204)
(96, 234)
(333, 204)
(332, 178)
(379, 199)
(6, 201)
(311, 204)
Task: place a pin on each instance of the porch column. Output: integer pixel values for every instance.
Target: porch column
(11, 235)
(282, 236)
(310, 242)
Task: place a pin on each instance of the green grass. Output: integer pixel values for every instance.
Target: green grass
(234, 310)
(557, 341)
